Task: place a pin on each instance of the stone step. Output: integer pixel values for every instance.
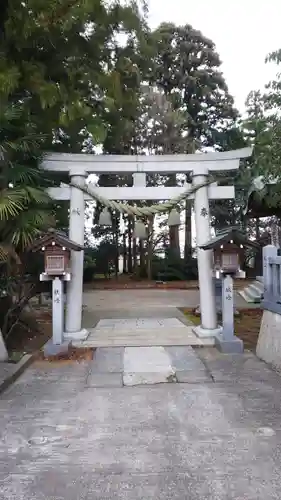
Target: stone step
(257, 288)
(139, 323)
(253, 293)
(141, 332)
(249, 296)
(139, 342)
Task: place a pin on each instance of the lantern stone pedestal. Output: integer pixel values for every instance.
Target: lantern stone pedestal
(51, 349)
(226, 341)
(57, 345)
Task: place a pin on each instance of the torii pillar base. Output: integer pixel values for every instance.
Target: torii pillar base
(79, 335)
(206, 333)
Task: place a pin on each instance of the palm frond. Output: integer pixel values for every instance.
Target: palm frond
(36, 195)
(10, 113)
(29, 225)
(25, 144)
(23, 174)
(11, 203)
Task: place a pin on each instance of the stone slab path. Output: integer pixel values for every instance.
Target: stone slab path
(62, 439)
(142, 331)
(130, 366)
(104, 300)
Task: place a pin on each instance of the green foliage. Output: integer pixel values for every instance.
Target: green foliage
(98, 260)
(172, 268)
(24, 204)
(187, 68)
(89, 266)
(59, 58)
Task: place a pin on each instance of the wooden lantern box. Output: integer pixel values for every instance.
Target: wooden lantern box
(229, 247)
(57, 248)
(228, 257)
(57, 260)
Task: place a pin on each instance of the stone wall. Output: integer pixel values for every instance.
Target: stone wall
(269, 341)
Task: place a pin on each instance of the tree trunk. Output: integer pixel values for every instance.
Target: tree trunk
(150, 248)
(174, 230)
(257, 228)
(188, 231)
(130, 255)
(116, 241)
(142, 269)
(135, 251)
(174, 238)
(125, 260)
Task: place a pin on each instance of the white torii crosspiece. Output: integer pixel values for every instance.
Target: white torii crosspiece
(200, 165)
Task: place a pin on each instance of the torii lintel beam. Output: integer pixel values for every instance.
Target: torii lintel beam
(77, 164)
(143, 193)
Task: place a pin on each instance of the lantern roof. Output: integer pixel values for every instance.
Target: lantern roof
(230, 234)
(58, 237)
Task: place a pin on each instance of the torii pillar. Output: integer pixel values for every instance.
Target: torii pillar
(74, 296)
(208, 327)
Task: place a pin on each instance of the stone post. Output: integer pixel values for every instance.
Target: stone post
(57, 345)
(57, 311)
(208, 327)
(74, 297)
(227, 307)
(268, 252)
(226, 341)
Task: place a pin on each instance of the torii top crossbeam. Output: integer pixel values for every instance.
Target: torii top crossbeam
(101, 164)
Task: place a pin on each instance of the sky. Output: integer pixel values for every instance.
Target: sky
(244, 32)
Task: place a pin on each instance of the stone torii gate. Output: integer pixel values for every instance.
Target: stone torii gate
(78, 166)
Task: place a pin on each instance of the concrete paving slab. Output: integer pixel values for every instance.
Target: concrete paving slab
(184, 358)
(230, 368)
(104, 379)
(168, 486)
(165, 442)
(108, 359)
(193, 377)
(188, 367)
(147, 365)
(55, 372)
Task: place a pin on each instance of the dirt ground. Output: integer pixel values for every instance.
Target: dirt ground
(32, 333)
(31, 337)
(246, 325)
(127, 282)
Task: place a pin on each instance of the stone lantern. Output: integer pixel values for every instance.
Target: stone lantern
(57, 268)
(228, 249)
